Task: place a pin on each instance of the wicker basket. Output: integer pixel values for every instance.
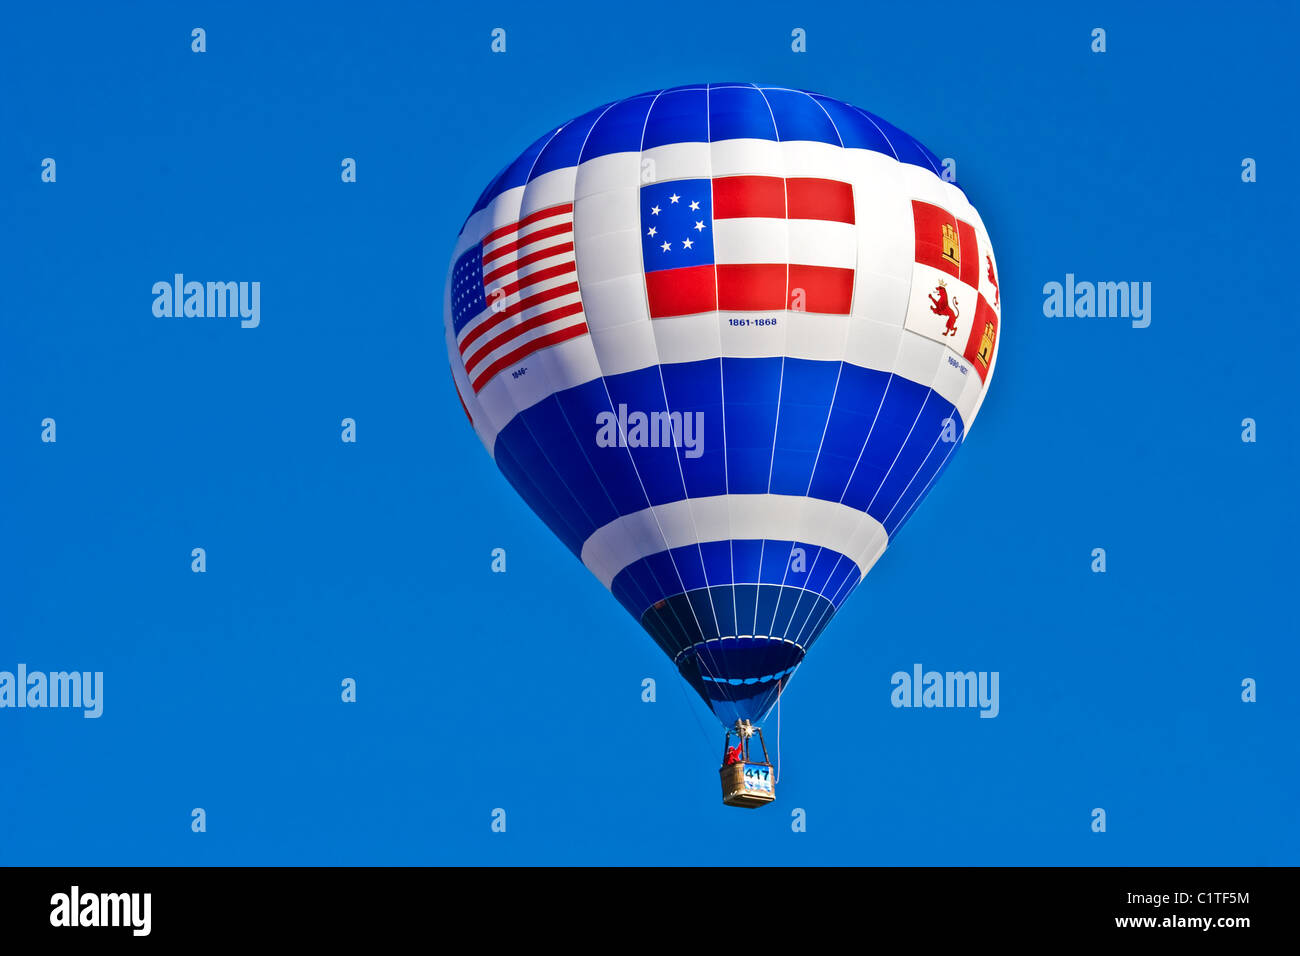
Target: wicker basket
(747, 784)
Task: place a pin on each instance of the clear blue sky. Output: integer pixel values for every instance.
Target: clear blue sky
(523, 690)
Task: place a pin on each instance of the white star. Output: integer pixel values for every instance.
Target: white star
(652, 231)
(666, 246)
(654, 211)
(674, 197)
(694, 206)
(699, 226)
(686, 243)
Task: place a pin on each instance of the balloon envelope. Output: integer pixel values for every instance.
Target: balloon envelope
(723, 339)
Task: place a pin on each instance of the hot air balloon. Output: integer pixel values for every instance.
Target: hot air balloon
(723, 339)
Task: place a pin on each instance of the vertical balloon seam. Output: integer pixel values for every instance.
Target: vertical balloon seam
(802, 506)
(830, 408)
(647, 601)
(708, 590)
(785, 349)
(730, 501)
(703, 657)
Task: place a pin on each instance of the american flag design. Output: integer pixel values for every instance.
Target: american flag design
(516, 292)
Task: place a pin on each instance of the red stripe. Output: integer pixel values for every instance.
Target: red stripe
(751, 287)
(740, 197)
(515, 309)
(541, 275)
(527, 220)
(682, 291)
(536, 322)
(525, 350)
(826, 289)
(820, 199)
(529, 259)
(970, 254)
(540, 234)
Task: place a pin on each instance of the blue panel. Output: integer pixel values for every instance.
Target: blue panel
(619, 129)
(908, 149)
(678, 117)
(696, 387)
(750, 391)
(897, 415)
(806, 391)
(799, 117)
(929, 472)
(642, 394)
(563, 149)
(669, 213)
(536, 482)
(856, 129)
(857, 401)
(924, 441)
(739, 112)
(618, 478)
(745, 556)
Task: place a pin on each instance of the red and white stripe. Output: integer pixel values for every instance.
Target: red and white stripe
(530, 280)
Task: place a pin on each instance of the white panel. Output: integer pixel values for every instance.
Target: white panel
(614, 210)
(609, 256)
(953, 377)
(753, 240)
(815, 161)
(873, 345)
(752, 341)
(923, 184)
(880, 298)
(747, 157)
(827, 524)
(812, 336)
(816, 242)
(676, 161)
(918, 360)
(548, 189)
(615, 303)
(605, 173)
(971, 396)
(687, 338)
(625, 348)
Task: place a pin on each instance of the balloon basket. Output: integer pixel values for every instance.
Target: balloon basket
(747, 785)
(746, 782)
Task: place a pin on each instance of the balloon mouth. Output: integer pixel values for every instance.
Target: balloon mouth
(740, 677)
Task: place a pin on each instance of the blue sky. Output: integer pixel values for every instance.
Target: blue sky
(523, 690)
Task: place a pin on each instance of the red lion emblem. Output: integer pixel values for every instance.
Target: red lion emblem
(993, 279)
(940, 307)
